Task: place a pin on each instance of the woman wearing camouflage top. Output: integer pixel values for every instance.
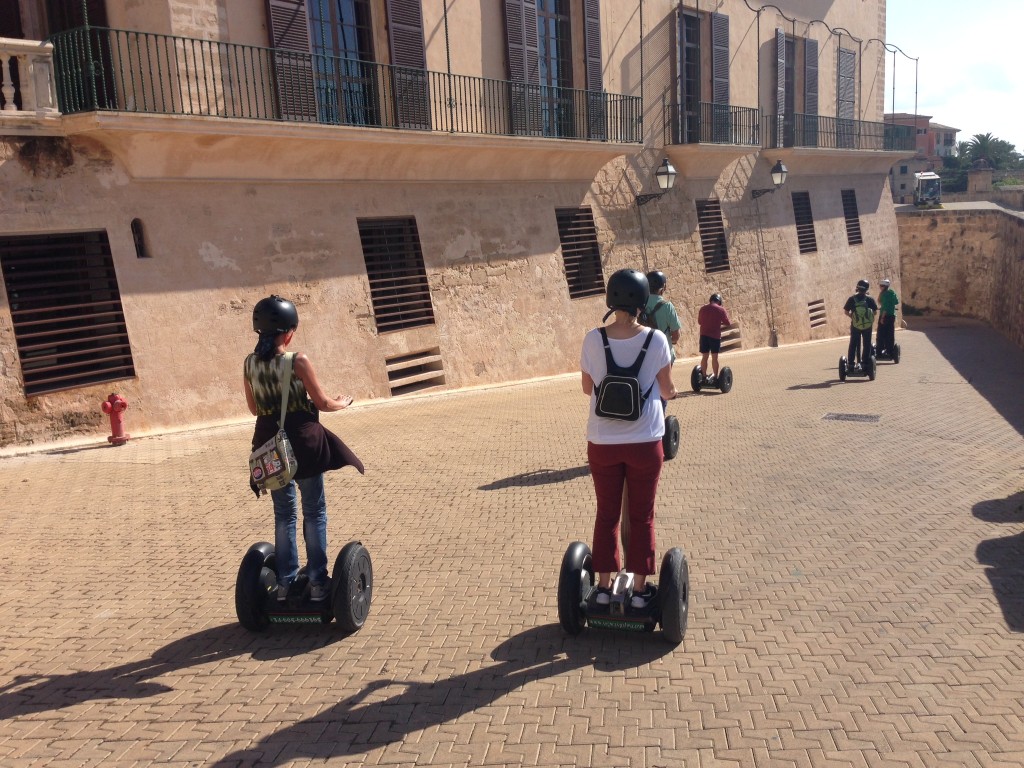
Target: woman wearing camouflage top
(316, 448)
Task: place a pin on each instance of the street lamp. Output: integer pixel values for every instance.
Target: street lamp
(779, 174)
(666, 178)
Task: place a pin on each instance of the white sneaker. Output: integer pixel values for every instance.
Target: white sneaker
(604, 596)
(641, 599)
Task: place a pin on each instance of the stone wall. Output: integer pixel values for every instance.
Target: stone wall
(965, 262)
(1008, 198)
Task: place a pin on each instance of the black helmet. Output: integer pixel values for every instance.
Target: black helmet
(862, 285)
(274, 315)
(657, 281)
(628, 290)
(716, 298)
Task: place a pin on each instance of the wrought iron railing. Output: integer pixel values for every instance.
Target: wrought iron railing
(798, 130)
(111, 69)
(714, 124)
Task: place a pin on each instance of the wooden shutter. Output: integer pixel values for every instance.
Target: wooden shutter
(523, 48)
(845, 99)
(596, 112)
(720, 78)
(288, 24)
(810, 127)
(409, 64)
(810, 77)
(780, 87)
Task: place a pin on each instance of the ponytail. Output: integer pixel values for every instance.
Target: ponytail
(266, 346)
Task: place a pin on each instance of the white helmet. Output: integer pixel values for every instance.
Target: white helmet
(886, 283)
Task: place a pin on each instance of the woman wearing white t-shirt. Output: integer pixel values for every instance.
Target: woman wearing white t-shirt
(626, 453)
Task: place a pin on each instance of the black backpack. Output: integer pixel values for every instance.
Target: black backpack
(618, 394)
(648, 317)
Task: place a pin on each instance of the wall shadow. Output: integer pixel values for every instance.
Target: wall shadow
(353, 727)
(538, 477)
(986, 359)
(28, 694)
(1003, 557)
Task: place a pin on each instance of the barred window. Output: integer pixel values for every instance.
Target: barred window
(852, 216)
(712, 236)
(804, 222)
(580, 253)
(398, 278)
(69, 324)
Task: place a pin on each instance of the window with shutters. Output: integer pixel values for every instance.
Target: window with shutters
(581, 255)
(69, 326)
(712, 236)
(398, 278)
(554, 61)
(796, 91)
(688, 91)
(852, 216)
(288, 25)
(804, 222)
(702, 92)
(342, 44)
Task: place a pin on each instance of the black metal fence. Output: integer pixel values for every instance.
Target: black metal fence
(715, 124)
(799, 130)
(111, 69)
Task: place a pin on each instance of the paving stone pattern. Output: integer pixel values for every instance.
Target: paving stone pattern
(857, 588)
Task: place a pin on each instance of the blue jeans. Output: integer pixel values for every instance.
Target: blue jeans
(314, 529)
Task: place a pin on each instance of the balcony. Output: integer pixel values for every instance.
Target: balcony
(708, 137)
(818, 144)
(463, 122)
(28, 97)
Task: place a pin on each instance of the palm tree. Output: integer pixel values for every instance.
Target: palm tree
(981, 147)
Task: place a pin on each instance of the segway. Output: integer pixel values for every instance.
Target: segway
(868, 369)
(351, 589)
(888, 354)
(577, 597)
(723, 380)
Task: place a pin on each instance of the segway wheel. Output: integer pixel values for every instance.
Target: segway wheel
(725, 380)
(696, 379)
(670, 442)
(575, 579)
(871, 367)
(256, 580)
(352, 586)
(896, 353)
(843, 369)
(674, 593)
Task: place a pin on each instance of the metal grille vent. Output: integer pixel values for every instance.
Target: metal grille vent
(581, 255)
(804, 222)
(415, 372)
(816, 313)
(852, 216)
(712, 236)
(398, 278)
(866, 418)
(66, 308)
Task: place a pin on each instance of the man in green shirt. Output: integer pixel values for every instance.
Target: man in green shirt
(660, 312)
(887, 302)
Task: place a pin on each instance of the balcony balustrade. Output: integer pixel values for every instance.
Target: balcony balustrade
(715, 124)
(799, 130)
(27, 89)
(100, 69)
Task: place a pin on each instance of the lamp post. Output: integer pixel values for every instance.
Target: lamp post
(779, 174)
(666, 178)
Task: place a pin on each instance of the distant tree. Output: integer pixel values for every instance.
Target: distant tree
(999, 154)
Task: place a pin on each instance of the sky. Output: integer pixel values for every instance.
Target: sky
(969, 69)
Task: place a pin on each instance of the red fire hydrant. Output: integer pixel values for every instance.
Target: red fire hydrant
(115, 405)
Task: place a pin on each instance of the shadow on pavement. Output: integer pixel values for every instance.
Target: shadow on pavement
(27, 694)
(351, 727)
(538, 477)
(1003, 557)
(987, 360)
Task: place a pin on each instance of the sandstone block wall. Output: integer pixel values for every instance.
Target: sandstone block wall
(965, 262)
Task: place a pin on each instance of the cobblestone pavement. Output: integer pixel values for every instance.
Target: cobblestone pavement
(857, 588)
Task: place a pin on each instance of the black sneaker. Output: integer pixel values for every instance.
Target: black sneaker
(643, 599)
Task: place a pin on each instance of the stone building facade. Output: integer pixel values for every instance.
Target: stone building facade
(430, 238)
